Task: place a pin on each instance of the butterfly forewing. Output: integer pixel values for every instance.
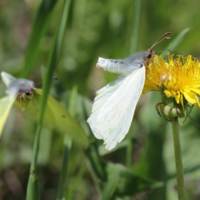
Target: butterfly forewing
(103, 95)
(113, 112)
(7, 78)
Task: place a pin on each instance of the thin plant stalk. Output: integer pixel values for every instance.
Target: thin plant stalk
(74, 185)
(32, 190)
(62, 188)
(134, 41)
(178, 159)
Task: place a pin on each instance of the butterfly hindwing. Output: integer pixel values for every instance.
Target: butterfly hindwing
(6, 104)
(64, 122)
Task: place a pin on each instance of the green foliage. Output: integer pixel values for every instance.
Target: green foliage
(122, 182)
(40, 26)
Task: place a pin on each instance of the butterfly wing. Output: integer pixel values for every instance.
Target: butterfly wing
(6, 104)
(7, 78)
(114, 108)
(65, 123)
(102, 96)
(33, 109)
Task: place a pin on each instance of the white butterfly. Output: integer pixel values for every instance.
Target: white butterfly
(115, 104)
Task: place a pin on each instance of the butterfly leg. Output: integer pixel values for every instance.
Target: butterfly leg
(188, 113)
(19, 96)
(161, 107)
(157, 108)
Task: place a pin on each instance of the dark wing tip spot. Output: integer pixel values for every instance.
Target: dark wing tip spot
(63, 116)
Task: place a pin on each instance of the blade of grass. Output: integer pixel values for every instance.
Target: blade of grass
(62, 188)
(174, 44)
(51, 65)
(111, 185)
(134, 41)
(74, 184)
(40, 25)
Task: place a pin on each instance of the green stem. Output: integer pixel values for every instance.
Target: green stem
(62, 189)
(35, 151)
(33, 189)
(178, 159)
(129, 150)
(74, 185)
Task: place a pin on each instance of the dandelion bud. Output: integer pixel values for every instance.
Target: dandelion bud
(176, 112)
(166, 110)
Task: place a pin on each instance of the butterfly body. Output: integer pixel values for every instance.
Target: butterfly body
(124, 66)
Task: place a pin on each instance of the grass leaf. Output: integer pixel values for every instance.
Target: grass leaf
(134, 41)
(51, 65)
(40, 26)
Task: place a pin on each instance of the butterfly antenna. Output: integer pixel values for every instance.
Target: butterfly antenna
(164, 50)
(55, 78)
(161, 39)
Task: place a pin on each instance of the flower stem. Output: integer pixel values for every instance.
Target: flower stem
(178, 159)
(32, 188)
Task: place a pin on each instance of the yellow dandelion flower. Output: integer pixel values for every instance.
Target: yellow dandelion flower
(178, 78)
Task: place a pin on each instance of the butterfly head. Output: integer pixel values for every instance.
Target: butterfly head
(26, 95)
(23, 90)
(150, 53)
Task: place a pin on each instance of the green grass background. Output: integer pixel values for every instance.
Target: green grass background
(94, 28)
